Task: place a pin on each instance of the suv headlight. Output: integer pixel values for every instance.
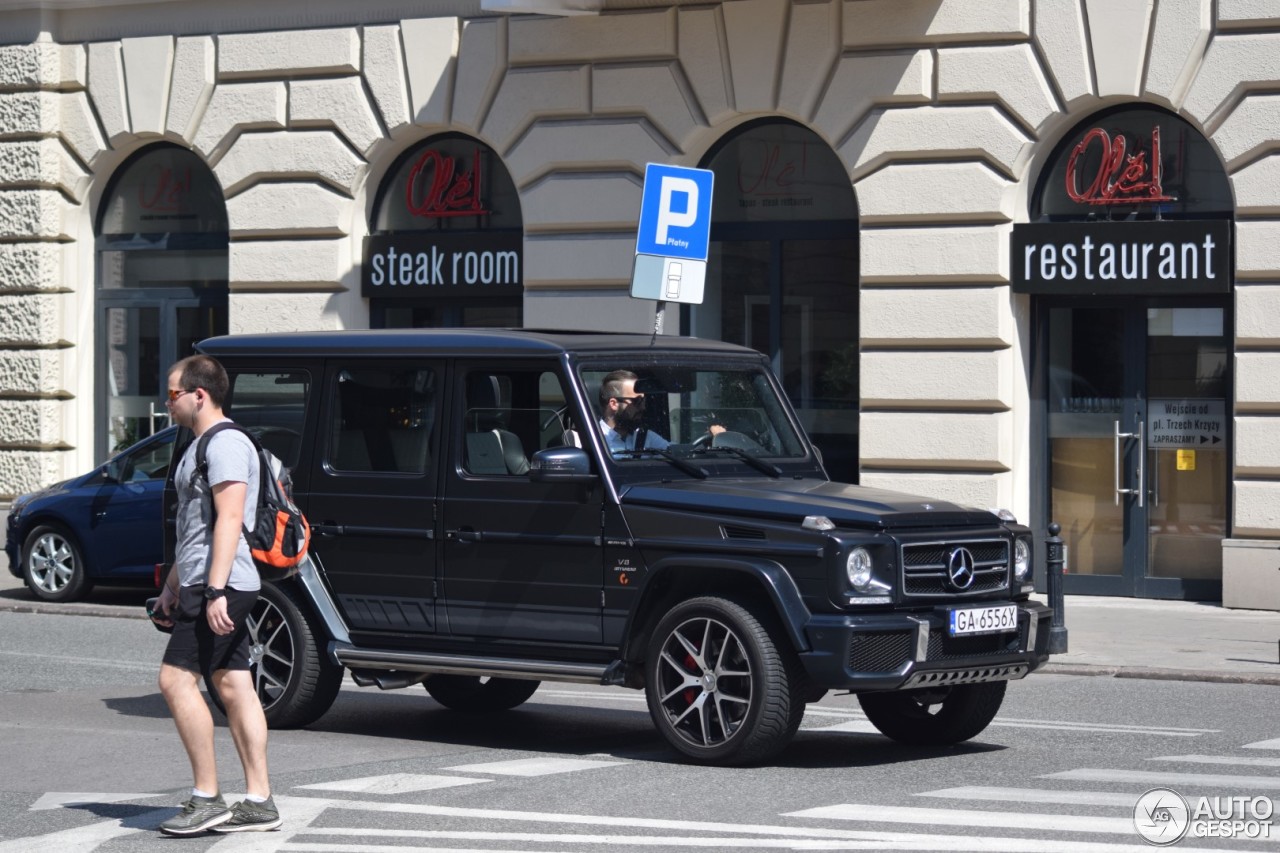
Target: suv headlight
(858, 567)
(1021, 559)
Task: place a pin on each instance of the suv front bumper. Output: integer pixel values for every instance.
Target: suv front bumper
(898, 651)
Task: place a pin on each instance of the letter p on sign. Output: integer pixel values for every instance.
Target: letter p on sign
(675, 212)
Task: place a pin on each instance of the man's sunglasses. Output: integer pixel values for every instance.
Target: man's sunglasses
(174, 395)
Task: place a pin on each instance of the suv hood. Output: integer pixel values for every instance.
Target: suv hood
(844, 504)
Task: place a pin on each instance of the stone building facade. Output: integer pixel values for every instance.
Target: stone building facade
(943, 114)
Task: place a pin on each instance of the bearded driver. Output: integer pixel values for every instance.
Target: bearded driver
(622, 416)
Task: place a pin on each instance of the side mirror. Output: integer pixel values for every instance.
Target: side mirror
(111, 471)
(561, 465)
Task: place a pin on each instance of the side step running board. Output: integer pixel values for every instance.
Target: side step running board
(540, 670)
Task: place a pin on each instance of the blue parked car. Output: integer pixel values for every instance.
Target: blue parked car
(106, 525)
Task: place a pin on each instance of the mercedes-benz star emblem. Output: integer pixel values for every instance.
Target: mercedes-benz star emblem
(960, 568)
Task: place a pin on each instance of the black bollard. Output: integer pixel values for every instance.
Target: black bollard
(1056, 558)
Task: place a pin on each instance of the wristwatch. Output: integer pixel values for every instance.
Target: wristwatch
(212, 592)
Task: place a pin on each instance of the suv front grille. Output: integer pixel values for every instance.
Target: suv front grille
(924, 567)
(880, 652)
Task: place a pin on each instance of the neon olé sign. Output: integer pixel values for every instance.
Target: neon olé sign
(1121, 177)
(436, 188)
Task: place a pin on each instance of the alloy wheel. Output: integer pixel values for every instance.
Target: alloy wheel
(705, 683)
(272, 651)
(53, 562)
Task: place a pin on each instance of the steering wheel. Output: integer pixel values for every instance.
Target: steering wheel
(707, 439)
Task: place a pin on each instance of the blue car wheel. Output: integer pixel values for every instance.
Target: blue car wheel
(52, 565)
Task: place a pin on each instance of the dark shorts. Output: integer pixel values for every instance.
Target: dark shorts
(193, 646)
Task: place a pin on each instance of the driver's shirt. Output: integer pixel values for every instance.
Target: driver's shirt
(616, 443)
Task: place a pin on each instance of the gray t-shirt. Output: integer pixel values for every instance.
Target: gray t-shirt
(232, 459)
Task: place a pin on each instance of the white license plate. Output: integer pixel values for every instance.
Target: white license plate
(984, 620)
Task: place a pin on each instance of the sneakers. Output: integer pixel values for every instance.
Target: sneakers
(198, 814)
(248, 816)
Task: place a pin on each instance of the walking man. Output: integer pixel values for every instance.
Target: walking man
(208, 596)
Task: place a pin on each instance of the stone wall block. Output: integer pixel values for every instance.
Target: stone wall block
(705, 60)
(525, 96)
(253, 313)
(431, 55)
(23, 471)
(42, 65)
(1178, 44)
(936, 441)
(578, 201)
(106, 87)
(935, 255)
(1257, 250)
(1116, 29)
(384, 72)
(601, 145)
(755, 29)
(813, 46)
(932, 317)
(934, 192)
(340, 103)
(148, 70)
(194, 76)
(578, 259)
(649, 90)
(1248, 14)
(891, 23)
(32, 214)
(1233, 66)
(592, 38)
(30, 319)
(1011, 74)
(289, 53)
(929, 132)
(30, 266)
(482, 66)
(1257, 187)
(289, 209)
(235, 108)
(45, 162)
(860, 82)
(30, 371)
(936, 380)
(288, 264)
(1060, 33)
(78, 126)
(1258, 315)
(31, 422)
(1255, 506)
(296, 155)
(1256, 390)
(1247, 132)
(976, 490)
(26, 113)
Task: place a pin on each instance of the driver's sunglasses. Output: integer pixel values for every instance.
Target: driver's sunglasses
(638, 399)
(174, 395)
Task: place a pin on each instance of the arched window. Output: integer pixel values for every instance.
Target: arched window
(161, 284)
(447, 243)
(782, 274)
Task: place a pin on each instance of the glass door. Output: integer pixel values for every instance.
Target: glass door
(1137, 398)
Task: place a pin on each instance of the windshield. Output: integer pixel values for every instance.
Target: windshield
(689, 411)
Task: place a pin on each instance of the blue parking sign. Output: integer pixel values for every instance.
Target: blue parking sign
(675, 212)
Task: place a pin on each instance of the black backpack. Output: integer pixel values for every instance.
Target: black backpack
(280, 535)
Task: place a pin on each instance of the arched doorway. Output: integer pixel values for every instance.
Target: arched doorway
(447, 243)
(161, 253)
(1129, 260)
(782, 274)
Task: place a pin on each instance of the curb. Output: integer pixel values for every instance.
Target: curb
(1154, 673)
(71, 610)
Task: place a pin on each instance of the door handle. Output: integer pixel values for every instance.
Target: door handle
(327, 528)
(465, 534)
(1141, 473)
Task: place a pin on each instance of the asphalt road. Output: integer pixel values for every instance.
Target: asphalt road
(89, 761)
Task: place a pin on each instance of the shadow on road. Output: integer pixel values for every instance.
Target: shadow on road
(152, 706)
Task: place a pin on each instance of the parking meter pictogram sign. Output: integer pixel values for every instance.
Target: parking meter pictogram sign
(675, 212)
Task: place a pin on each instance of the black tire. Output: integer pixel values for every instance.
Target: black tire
(934, 716)
(53, 564)
(743, 708)
(479, 695)
(294, 679)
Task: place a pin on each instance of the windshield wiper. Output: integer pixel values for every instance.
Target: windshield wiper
(688, 468)
(755, 462)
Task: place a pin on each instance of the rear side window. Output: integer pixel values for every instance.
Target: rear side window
(508, 415)
(273, 406)
(382, 420)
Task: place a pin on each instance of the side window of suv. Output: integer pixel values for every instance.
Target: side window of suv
(382, 420)
(509, 415)
(273, 407)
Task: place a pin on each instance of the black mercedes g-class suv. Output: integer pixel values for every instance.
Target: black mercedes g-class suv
(482, 522)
